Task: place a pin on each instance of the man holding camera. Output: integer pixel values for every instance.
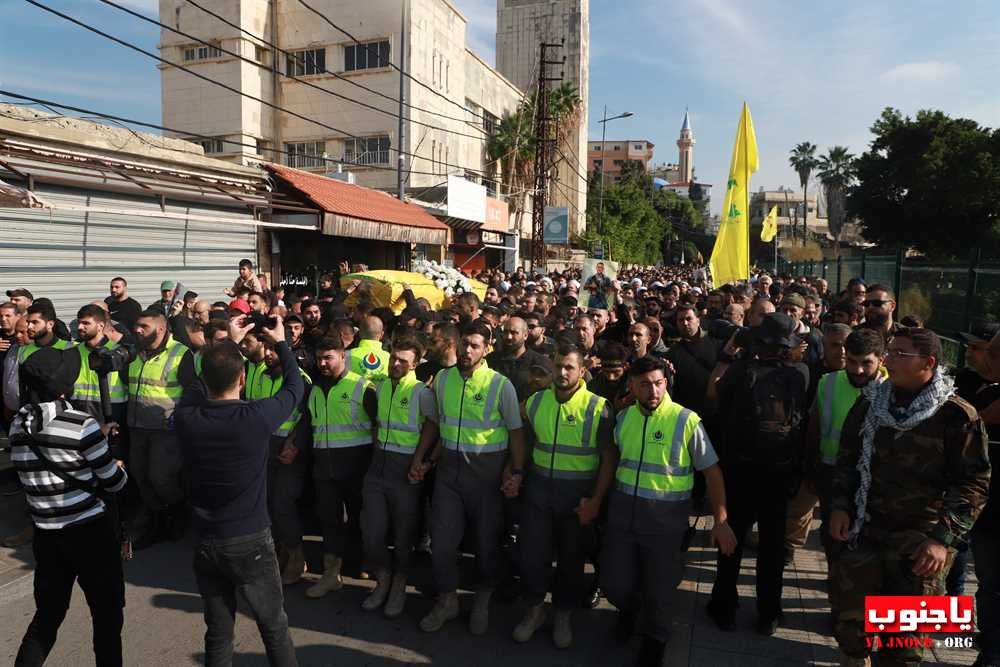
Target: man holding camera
(76, 538)
(226, 448)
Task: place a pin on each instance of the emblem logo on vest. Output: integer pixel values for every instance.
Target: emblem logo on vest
(403, 402)
(371, 361)
(343, 396)
(570, 420)
(658, 435)
(478, 398)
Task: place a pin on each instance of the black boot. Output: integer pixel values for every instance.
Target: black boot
(625, 627)
(651, 653)
(151, 533)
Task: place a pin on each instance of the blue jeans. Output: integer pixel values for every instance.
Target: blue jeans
(247, 565)
(986, 550)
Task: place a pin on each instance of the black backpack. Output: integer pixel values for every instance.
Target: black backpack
(771, 401)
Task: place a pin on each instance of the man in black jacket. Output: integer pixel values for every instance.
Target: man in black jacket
(226, 444)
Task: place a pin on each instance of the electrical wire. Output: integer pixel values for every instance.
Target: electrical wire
(273, 69)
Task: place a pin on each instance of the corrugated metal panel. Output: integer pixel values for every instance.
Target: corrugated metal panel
(71, 256)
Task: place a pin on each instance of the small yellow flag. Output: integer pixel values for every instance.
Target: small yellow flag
(730, 260)
(770, 228)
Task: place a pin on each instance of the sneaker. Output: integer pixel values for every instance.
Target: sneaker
(533, 619)
(444, 610)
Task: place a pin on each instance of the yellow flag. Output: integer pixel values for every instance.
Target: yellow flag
(770, 228)
(730, 260)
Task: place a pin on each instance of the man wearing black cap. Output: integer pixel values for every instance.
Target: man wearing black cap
(764, 398)
(76, 538)
(21, 298)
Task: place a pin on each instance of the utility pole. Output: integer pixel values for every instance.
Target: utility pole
(542, 141)
(401, 163)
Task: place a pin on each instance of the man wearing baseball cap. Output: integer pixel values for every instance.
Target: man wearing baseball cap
(21, 298)
(167, 288)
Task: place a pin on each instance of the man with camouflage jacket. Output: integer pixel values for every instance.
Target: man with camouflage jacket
(912, 476)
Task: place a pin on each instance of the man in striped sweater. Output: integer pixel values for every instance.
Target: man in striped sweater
(64, 464)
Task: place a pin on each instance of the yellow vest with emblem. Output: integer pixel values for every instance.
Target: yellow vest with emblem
(338, 414)
(25, 351)
(835, 397)
(399, 418)
(655, 460)
(369, 360)
(565, 433)
(261, 385)
(87, 388)
(469, 409)
(154, 387)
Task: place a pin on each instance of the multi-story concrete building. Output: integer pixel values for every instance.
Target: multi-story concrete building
(608, 157)
(522, 25)
(344, 107)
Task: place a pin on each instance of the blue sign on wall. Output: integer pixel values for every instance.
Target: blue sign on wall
(556, 225)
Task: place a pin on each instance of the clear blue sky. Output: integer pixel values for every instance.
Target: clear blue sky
(819, 72)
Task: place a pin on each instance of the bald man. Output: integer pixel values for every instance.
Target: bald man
(368, 359)
(513, 359)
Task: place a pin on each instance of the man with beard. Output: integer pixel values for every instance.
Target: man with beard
(41, 320)
(813, 310)
(583, 326)
(123, 308)
(390, 515)
(880, 306)
(342, 410)
(693, 358)
(609, 380)
(304, 355)
(573, 464)
(21, 298)
(8, 318)
(514, 360)
(492, 296)
(537, 340)
(442, 350)
(312, 318)
(157, 377)
(91, 324)
(287, 463)
(638, 341)
(481, 451)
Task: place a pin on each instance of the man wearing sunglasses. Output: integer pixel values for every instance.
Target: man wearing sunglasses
(880, 306)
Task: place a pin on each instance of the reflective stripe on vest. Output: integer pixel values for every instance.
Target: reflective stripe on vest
(469, 410)
(25, 351)
(565, 433)
(197, 363)
(655, 461)
(835, 397)
(369, 360)
(154, 386)
(87, 387)
(338, 416)
(261, 385)
(399, 418)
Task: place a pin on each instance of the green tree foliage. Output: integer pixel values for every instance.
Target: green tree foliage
(836, 173)
(803, 161)
(699, 198)
(931, 183)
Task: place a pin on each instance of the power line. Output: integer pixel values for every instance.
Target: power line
(164, 128)
(129, 45)
(274, 69)
(323, 70)
(392, 65)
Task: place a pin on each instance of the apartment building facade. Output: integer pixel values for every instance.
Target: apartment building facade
(608, 157)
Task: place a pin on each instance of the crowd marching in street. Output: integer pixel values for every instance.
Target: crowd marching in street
(550, 424)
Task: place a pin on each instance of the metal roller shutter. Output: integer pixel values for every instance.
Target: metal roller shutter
(70, 256)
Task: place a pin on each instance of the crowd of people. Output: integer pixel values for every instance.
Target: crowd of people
(551, 423)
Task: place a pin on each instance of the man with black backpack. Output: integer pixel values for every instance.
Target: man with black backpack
(764, 398)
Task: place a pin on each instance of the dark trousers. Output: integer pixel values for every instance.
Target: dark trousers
(457, 503)
(986, 550)
(390, 515)
(285, 486)
(246, 565)
(755, 493)
(545, 532)
(338, 504)
(91, 554)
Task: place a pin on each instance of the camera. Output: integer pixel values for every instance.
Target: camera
(261, 322)
(744, 337)
(106, 360)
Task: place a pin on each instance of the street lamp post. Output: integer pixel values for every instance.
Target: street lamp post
(604, 132)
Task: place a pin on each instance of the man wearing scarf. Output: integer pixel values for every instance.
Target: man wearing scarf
(912, 475)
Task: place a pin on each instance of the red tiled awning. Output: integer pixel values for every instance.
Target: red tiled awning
(359, 212)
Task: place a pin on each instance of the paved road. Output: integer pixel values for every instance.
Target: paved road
(163, 623)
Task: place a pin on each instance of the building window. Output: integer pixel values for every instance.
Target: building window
(303, 154)
(598, 164)
(618, 163)
(302, 63)
(616, 148)
(367, 150)
(490, 122)
(262, 147)
(212, 50)
(637, 147)
(214, 145)
(491, 187)
(259, 53)
(597, 147)
(368, 55)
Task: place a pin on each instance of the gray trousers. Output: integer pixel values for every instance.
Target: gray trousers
(542, 533)
(390, 514)
(459, 500)
(646, 569)
(285, 486)
(156, 461)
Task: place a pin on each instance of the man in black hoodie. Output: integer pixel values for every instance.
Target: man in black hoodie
(226, 444)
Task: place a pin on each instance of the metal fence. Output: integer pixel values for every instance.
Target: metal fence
(949, 296)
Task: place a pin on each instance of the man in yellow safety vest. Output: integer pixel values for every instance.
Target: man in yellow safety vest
(368, 359)
(481, 451)
(41, 319)
(91, 324)
(661, 444)
(573, 461)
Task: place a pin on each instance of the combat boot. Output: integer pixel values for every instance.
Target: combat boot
(479, 619)
(397, 596)
(330, 581)
(377, 597)
(533, 619)
(444, 610)
(562, 630)
(295, 565)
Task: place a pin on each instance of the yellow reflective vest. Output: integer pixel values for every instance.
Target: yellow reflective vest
(87, 388)
(261, 385)
(655, 461)
(399, 418)
(369, 360)
(25, 351)
(338, 414)
(565, 433)
(154, 387)
(835, 397)
(469, 409)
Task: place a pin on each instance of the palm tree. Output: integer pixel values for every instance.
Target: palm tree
(837, 172)
(803, 161)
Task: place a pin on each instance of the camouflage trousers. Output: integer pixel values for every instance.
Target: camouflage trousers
(877, 568)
